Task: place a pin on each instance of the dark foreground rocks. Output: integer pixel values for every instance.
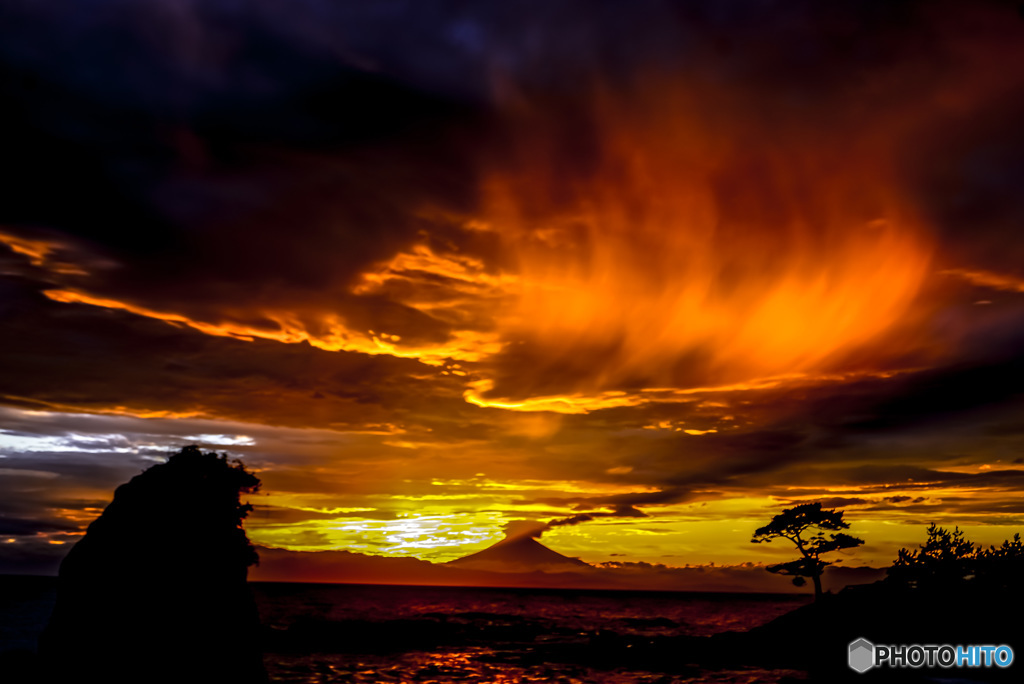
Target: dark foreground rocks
(815, 638)
(156, 590)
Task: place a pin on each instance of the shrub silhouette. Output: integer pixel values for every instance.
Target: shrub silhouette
(1002, 567)
(946, 558)
(156, 589)
(948, 561)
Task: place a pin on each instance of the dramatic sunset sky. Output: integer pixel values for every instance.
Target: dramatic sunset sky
(655, 269)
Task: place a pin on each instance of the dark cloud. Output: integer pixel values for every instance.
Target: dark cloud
(22, 526)
(968, 176)
(898, 499)
(88, 358)
(937, 396)
(624, 505)
(832, 502)
(620, 511)
(534, 528)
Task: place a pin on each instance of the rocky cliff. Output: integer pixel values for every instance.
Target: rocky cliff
(156, 589)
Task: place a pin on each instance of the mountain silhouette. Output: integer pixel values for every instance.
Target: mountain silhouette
(520, 553)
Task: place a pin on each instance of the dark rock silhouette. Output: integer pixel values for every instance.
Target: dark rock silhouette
(156, 590)
(816, 637)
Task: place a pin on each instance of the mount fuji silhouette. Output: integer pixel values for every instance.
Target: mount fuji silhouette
(520, 553)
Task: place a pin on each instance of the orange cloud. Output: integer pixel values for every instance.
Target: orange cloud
(699, 244)
(463, 345)
(994, 281)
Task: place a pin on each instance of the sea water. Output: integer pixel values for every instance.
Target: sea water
(323, 633)
(360, 633)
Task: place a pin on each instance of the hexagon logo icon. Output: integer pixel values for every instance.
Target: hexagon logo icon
(862, 655)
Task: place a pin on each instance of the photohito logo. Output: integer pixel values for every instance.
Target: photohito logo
(864, 655)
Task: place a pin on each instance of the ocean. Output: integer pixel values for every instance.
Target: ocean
(321, 633)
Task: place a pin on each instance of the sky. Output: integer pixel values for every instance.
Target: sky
(433, 271)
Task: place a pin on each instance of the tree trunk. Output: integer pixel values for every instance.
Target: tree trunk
(817, 586)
